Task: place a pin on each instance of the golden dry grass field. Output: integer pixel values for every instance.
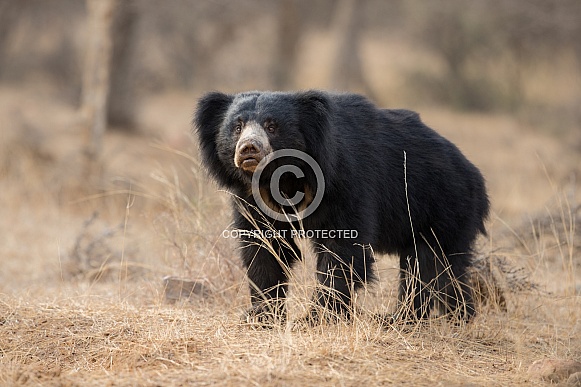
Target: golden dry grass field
(83, 255)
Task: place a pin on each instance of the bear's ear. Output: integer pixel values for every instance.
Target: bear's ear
(210, 113)
(209, 116)
(315, 112)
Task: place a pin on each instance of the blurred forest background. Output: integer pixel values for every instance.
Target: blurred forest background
(517, 56)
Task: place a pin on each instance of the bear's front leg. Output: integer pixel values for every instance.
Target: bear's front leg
(333, 295)
(340, 273)
(268, 263)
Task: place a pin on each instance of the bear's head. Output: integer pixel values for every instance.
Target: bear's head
(236, 132)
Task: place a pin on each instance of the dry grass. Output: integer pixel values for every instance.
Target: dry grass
(95, 341)
(81, 303)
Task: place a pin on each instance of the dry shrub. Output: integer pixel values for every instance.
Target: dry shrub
(95, 255)
(495, 279)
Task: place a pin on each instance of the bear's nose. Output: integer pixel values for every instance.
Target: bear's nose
(249, 148)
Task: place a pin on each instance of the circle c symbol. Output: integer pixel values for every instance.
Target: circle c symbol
(275, 182)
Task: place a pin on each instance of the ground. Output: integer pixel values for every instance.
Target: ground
(83, 257)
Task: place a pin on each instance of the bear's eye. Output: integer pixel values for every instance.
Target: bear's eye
(238, 128)
(271, 128)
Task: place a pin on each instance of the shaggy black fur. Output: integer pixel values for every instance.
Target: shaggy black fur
(405, 189)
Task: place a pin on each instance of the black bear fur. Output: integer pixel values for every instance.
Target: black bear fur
(404, 188)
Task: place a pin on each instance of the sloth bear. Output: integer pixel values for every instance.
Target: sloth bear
(356, 180)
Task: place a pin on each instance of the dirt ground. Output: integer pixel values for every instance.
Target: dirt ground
(83, 256)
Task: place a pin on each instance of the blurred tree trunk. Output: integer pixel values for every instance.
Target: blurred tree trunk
(287, 48)
(5, 27)
(96, 73)
(348, 72)
(9, 13)
(122, 97)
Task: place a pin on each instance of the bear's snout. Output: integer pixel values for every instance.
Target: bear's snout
(248, 155)
(253, 145)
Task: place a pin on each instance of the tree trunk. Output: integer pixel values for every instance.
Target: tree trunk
(96, 74)
(347, 72)
(122, 99)
(287, 48)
